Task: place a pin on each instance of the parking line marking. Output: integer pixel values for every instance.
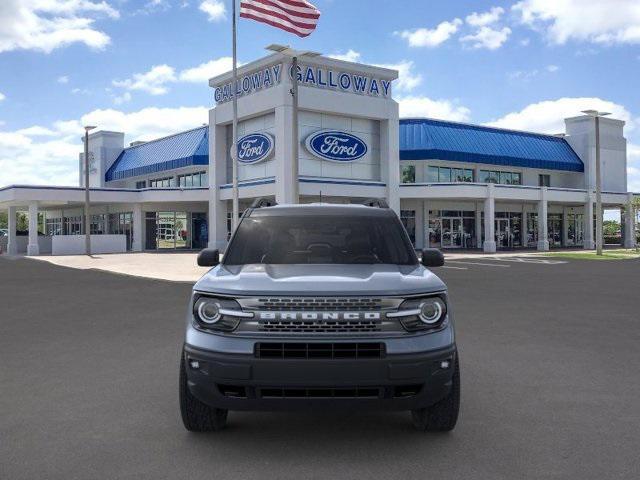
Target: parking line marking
(478, 263)
(530, 260)
(457, 268)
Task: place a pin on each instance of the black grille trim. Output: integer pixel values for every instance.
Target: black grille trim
(319, 304)
(320, 326)
(309, 351)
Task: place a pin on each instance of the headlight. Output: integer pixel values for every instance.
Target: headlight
(208, 310)
(421, 313)
(221, 314)
(431, 311)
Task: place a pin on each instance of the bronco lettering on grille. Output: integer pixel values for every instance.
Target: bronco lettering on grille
(319, 315)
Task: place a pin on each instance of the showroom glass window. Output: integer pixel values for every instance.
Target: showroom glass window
(448, 175)
(408, 174)
(499, 177)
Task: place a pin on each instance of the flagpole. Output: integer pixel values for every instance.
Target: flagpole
(295, 194)
(234, 148)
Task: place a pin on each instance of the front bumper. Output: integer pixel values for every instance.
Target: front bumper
(398, 381)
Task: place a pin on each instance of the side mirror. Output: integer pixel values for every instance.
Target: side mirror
(432, 257)
(209, 257)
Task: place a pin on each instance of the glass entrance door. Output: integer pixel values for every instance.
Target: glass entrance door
(575, 229)
(504, 236)
(452, 233)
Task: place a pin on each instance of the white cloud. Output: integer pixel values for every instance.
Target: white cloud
(120, 99)
(486, 18)
(45, 25)
(153, 6)
(349, 56)
(157, 80)
(525, 42)
(63, 79)
(487, 37)
(48, 155)
(548, 116)
(407, 78)
(36, 131)
(214, 9)
(527, 75)
(203, 72)
(595, 21)
(424, 37)
(420, 106)
(523, 75)
(2, 96)
(154, 81)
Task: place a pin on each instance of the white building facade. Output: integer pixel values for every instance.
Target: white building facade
(455, 186)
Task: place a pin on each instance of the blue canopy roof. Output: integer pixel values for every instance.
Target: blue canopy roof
(427, 139)
(176, 151)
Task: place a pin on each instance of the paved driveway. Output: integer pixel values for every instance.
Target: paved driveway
(550, 385)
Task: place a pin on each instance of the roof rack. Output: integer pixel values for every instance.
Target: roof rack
(263, 202)
(376, 202)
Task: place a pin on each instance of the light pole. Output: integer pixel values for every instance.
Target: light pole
(87, 217)
(596, 114)
(295, 146)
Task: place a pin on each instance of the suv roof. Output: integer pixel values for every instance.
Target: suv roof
(350, 210)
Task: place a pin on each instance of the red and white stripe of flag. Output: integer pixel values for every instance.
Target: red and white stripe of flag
(295, 16)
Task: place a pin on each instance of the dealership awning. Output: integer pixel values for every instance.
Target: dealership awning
(427, 139)
(176, 151)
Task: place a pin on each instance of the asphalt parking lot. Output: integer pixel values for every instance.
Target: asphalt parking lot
(550, 384)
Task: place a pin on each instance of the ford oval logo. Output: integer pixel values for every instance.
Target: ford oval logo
(336, 146)
(255, 147)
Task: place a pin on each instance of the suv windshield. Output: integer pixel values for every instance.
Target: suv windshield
(326, 239)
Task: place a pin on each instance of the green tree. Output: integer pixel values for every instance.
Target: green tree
(3, 220)
(610, 228)
(22, 222)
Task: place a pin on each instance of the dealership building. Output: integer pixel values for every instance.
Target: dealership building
(454, 185)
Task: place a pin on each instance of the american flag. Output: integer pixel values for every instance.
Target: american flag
(294, 16)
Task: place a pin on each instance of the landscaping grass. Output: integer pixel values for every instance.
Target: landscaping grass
(591, 255)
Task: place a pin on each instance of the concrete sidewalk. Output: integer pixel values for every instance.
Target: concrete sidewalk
(182, 267)
(175, 267)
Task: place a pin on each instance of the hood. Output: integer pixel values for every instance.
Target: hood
(260, 279)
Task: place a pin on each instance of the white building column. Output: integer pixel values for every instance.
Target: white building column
(12, 246)
(425, 219)
(283, 155)
(419, 224)
(589, 242)
(489, 245)
(565, 226)
(478, 226)
(543, 237)
(390, 159)
(33, 247)
(629, 224)
(218, 209)
(138, 219)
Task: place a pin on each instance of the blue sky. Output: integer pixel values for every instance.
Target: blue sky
(141, 66)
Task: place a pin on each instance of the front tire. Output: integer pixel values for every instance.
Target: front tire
(198, 416)
(441, 416)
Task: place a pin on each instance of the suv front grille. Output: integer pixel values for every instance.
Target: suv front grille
(319, 304)
(319, 350)
(320, 326)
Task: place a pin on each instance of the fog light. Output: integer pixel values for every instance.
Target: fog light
(444, 364)
(194, 364)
